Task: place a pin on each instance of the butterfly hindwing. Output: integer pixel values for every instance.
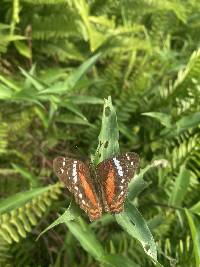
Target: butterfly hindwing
(114, 175)
(75, 175)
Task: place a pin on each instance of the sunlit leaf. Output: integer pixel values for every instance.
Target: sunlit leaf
(109, 135)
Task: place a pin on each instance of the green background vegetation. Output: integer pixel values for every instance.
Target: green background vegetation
(59, 60)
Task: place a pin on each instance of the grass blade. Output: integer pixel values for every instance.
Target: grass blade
(66, 216)
(118, 261)
(86, 237)
(195, 231)
(180, 187)
(73, 78)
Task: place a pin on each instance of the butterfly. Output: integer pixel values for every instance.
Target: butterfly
(102, 188)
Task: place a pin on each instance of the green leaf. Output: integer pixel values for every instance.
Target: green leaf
(5, 93)
(131, 220)
(10, 84)
(23, 49)
(156, 221)
(163, 118)
(73, 78)
(180, 187)
(80, 99)
(33, 180)
(118, 261)
(28, 95)
(138, 184)
(19, 199)
(134, 224)
(96, 38)
(10, 38)
(71, 119)
(189, 121)
(183, 124)
(73, 108)
(109, 134)
(38, 85)
(41, 113)
(196, 208)
(86, 237)
(194, 224)
(66, 216)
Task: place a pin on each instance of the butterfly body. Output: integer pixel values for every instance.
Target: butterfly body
(107, 190)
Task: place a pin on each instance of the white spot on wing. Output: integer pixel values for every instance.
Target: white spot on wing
(131, 162)
(80, 195)
(122, 181)
(75, 179)
(74, 169)
(61, 170)
(76, 188)
(118, 166)
(74, 172)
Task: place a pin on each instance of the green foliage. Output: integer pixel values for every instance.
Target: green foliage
(131, 220)
(180, 187)
(20, 212)
(58, 61)
(194, 227)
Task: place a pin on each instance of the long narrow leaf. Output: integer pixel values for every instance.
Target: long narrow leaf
(194, 224)
(180, 187)
(73, 78)
(86, 237)
(109, 134)
(132, 221)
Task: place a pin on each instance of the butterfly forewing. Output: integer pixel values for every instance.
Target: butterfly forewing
(114, 175)
(75, 175)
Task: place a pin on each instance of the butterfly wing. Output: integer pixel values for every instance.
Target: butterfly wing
(114, 175)
(75, 175)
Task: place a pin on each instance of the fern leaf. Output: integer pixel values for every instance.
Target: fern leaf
(21, 212)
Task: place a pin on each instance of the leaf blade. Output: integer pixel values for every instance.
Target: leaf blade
(134, 224)
(180, 187)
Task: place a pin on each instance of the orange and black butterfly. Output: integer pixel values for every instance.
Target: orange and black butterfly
(105, 188)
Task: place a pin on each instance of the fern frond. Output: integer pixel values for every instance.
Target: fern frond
(5, 256)
(121, 243)
(182, 148)
(16, 221)
(62, 26)
(160, 27)
(45, 2)
(180, 252)
(190, 74)
(187, 79)
(3, 137)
